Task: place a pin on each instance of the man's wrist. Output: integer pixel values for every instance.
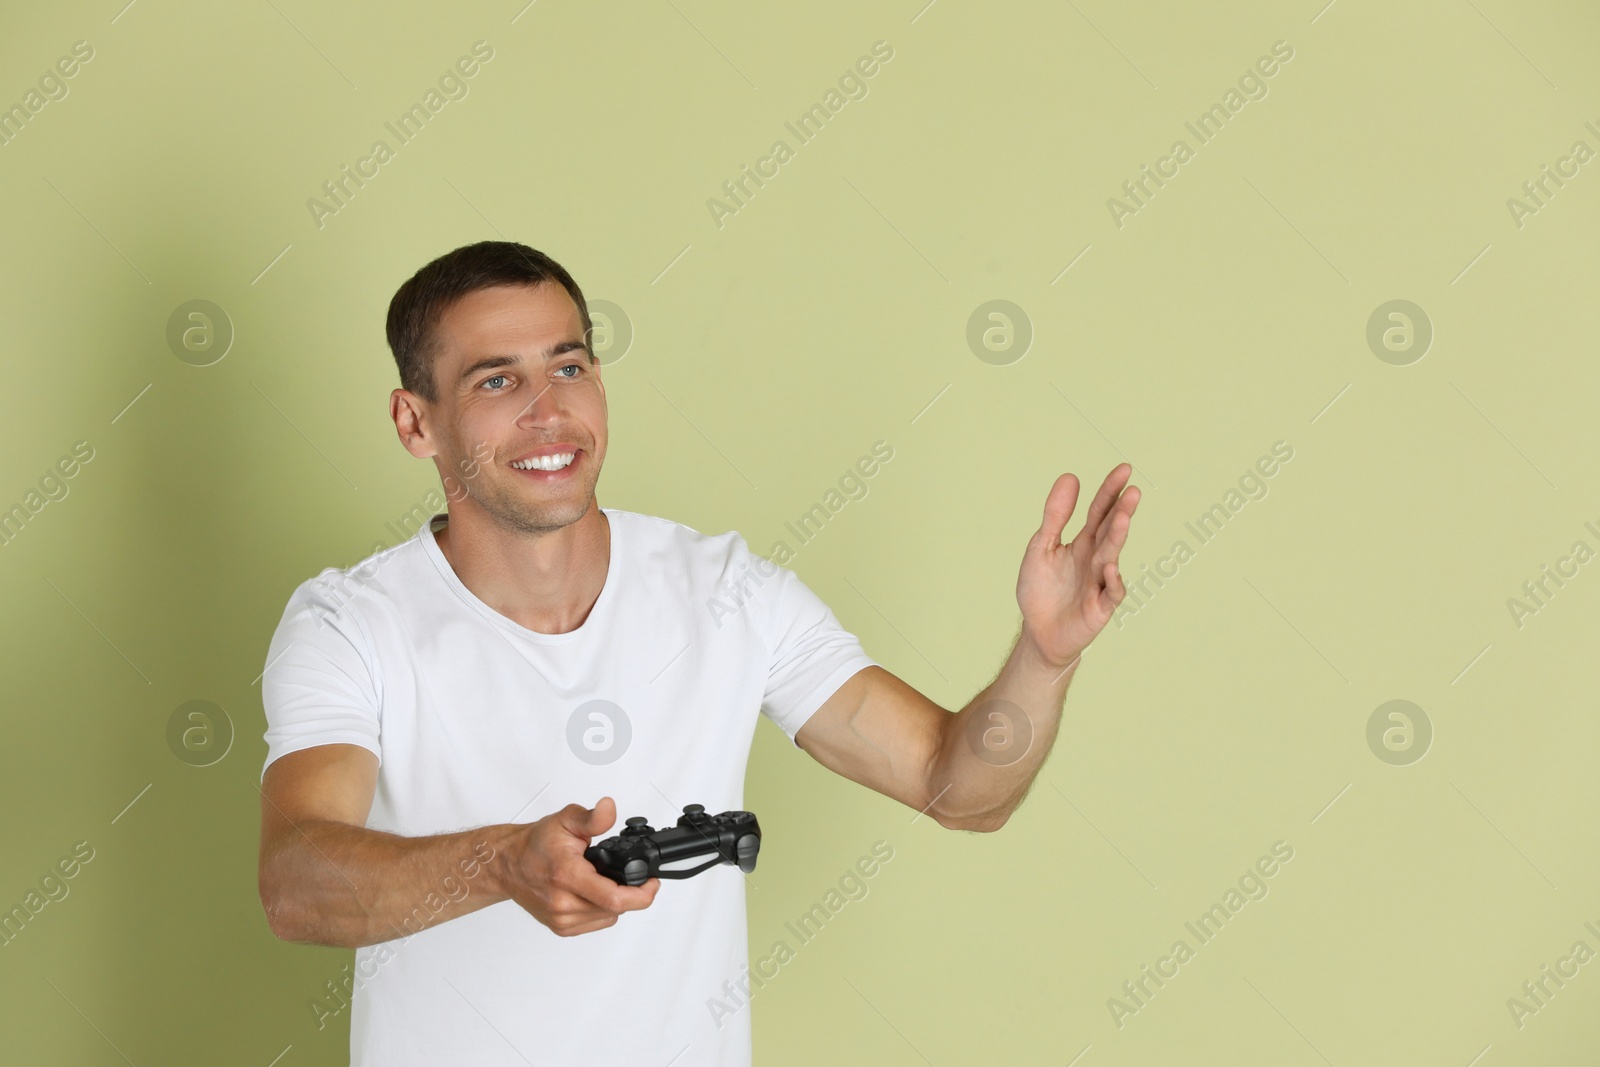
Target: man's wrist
(1034, 659)
(498, 841)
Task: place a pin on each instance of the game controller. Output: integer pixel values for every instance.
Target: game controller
(638, 854)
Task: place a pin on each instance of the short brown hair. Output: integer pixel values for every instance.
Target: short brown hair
(418, 304)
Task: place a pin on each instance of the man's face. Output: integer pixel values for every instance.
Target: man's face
(517, 396)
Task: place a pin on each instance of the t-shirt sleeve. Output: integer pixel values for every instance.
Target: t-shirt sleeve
(319, 686)
(811, 655)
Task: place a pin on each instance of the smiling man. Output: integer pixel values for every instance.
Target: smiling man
(529, 653)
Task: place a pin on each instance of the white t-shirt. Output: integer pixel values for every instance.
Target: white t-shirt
(477, 720)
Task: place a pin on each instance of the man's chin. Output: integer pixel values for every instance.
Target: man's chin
(547, 517)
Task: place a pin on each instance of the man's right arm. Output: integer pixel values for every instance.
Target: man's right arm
(328, 880)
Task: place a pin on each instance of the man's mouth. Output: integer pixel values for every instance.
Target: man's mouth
(554, 466)
(553, 461)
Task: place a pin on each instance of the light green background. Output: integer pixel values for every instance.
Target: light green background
(1229, 313)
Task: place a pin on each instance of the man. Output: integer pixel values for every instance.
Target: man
(528, 651)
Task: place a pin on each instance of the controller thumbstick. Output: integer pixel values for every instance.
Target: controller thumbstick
(694, 809)
(636, 820)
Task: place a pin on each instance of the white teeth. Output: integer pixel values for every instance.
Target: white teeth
(546, 463)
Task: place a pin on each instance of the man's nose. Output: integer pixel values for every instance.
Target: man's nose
(543, 407)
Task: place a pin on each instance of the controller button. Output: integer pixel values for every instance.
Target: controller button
(636, 872)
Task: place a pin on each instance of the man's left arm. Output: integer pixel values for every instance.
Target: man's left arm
(971, 769)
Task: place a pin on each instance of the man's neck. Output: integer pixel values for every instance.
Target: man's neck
(547, 583)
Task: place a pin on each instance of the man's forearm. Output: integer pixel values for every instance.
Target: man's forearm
(993, 748)
(330, 883)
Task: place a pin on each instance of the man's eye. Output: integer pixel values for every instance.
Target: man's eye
(575, 368)
(496, 378)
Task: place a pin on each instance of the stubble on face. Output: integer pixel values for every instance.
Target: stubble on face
(507, 504)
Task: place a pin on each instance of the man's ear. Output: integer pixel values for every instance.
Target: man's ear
(409, 412)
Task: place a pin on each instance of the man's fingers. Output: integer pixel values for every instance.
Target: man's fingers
(621, 898)
(588, 884)
(1106, 496)
(566, 908)
(1128, 502)
(1114, 532)
(588, 822)
(1058, 508)
(1115, 590)
(586, 928)
(574, 818)
(602, 817)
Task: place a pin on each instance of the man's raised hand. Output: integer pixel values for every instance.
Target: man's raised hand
(1067, 592)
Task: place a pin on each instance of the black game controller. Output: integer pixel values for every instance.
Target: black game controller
(638, 853)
